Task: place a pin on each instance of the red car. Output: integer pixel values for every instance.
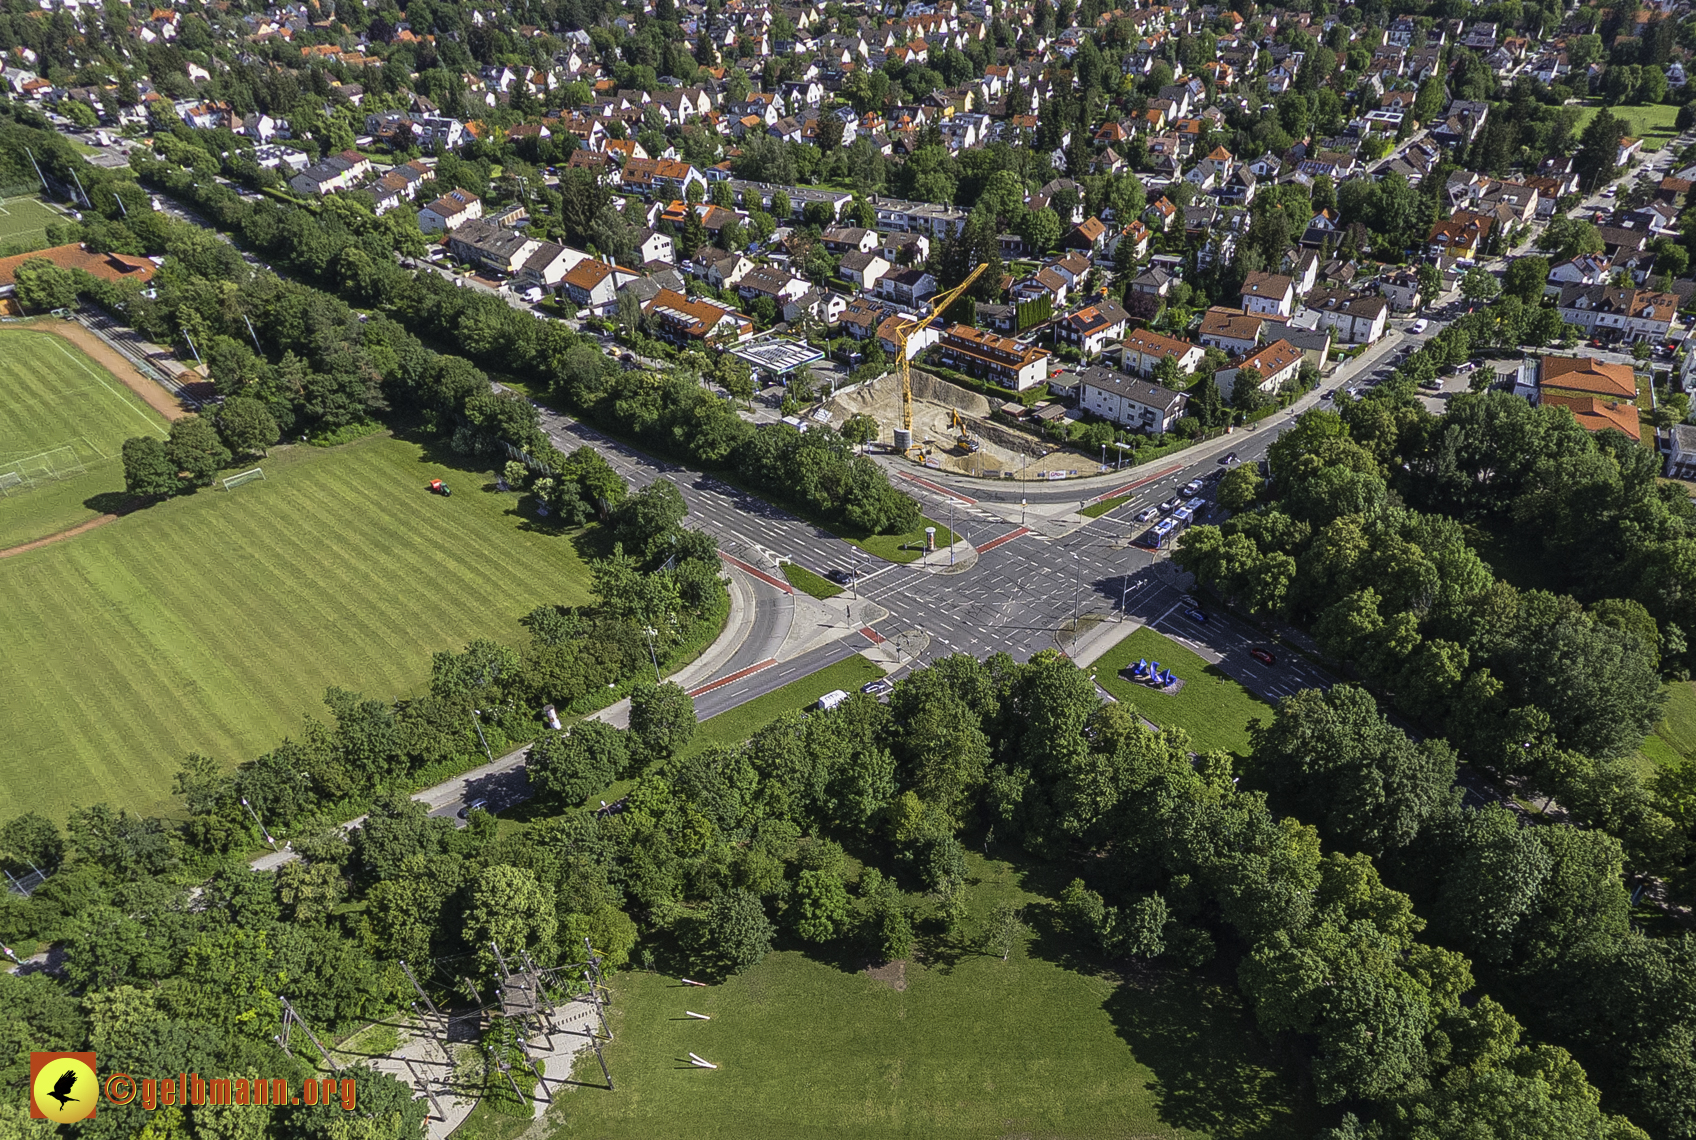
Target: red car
(1263, 656)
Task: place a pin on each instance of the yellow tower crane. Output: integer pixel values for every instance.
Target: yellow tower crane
(937, 304)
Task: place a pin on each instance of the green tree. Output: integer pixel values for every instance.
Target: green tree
(645, 521)
(735, 933)
(195, 450)
(148, 470)
(1525, 278)
(1598, 149)
(1344, 767)
(1006, 930)
(1479, 284)
(508, 908)
(574, 765)
(662, 720)
(823, 901)
(859, 429)
(1246, 394)
(42, 285)
(248, 426)
(1569, 237)
(1240, 488)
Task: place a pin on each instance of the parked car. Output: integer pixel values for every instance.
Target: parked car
(474, 805)
(1419, 326)
(1148, 514)
(877, 688)
(1263, 656)
(1196, 616)
(1327, 394)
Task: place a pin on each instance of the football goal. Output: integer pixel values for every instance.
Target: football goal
(47, 467)
(235, 481)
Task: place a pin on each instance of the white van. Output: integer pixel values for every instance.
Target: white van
(831, 699)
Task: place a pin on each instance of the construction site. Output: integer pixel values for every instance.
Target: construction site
(952, 430)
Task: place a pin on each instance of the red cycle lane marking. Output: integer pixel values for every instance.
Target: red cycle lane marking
(937, 487)
(736, 676)
(871, 635)
(1128, 487)
(757, 572)
(1008, 537)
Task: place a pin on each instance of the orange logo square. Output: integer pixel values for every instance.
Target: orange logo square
(62, 1087)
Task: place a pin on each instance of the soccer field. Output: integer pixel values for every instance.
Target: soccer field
(63, 422)
(26, 220)
(213, 623)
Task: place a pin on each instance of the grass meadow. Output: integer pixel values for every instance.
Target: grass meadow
(1654, 123)
(1211, 707)
(213, 623)
(57, 405)
(955, 1044)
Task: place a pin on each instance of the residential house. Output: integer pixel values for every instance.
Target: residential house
(664, 178)
(719, 269)
(1156, 282)
(1091, 328)
(1358, 318)
(863, 270)
(1234, 331)
(847, 239)
(770, 281)
(547, 267)
(337, 172)
(1401, 290)
(1461, 235)
(989, 356)
(1268, 293)
(1599, 396)
(1681, 459)
(594, 285)
(861, 317)
(652, 245)
(1144, 349)
(1129, 401)
(692, 321)
(1631, 313)
(450, 211)
(906, 287)
(398, 185)
(1044, 282)
(491, 247)
(1086, 237)
(1278, 364)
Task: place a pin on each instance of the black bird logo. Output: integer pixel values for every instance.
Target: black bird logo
(63, 1086)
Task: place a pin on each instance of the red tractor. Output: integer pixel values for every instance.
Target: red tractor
(437, 487)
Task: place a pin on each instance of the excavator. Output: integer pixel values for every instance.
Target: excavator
(937, 304)
(964, 437)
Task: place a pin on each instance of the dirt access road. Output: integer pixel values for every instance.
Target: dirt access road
(112, 361)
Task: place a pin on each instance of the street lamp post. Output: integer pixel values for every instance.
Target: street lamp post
(650, 631)
(1077, 591)
(260, 822)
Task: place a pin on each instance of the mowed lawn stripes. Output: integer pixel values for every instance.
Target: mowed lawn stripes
(214, 623)
(52, 396)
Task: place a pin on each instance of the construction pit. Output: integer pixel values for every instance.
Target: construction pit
(1002, 453)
